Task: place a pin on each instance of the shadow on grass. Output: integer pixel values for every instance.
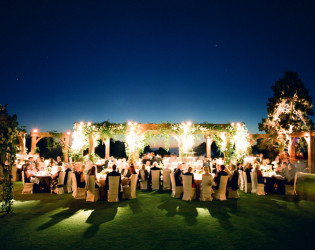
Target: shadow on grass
(188, 210)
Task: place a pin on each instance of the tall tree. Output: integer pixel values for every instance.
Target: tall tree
(289, 109)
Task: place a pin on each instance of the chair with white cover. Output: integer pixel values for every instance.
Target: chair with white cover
(92, 193)
(68, 187)
(247, 186)
(27, 187)
(220, 194)
(78, 193)
(129, 192)
(113, 185)
(14, 173)
(206, 189)
(257, 188)
(189, 191)
(176, 190)
(242, 182)
(61, 180)
(167, 179)
(143, 182)
(155, 175)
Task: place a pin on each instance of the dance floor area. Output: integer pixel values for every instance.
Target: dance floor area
(155, 221)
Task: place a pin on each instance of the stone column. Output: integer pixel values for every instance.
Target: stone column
(107, 148)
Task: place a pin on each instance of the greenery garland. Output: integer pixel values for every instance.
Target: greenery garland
(8, 150)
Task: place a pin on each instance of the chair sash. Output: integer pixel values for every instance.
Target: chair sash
(113, 185)
(166, 179)
(206, 188)
(78, 193)
(27, 187)
(155, 174)
(61, 181)
(247, 186)
(176, 190)
(189, 192)
(143, 182)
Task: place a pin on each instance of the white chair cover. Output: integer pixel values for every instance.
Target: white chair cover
(155, 175)
(92, 193)
(14, 173)
(220, 194)
(176, 190)
(27, 187)
(206, 188)
(257, 188)
(189, 192)
(253, 176)
(247, 186)
(143, 183)
(129, 192)
(78, 193)
(242, 182)
(61, 179)
(166, 179)
(113, 184)
(68, 187)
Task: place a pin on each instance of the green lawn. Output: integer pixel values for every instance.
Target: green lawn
(155, 221)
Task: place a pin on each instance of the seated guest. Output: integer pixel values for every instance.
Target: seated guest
(81, 177)
(206, 172)
(59, 162)
(126, 171)
(259, 174)
(67, 170)
(239, 166)
(132, 169)
(145, 175)
(233, 180)
(113, 173)
(54, 180)
(178, 175)
(91, 172)
(248, 170)
(221, 172)
(290, 174)
(155, 167)
(189, 172)
(27, 173)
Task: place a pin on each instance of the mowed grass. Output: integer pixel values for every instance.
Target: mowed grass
(156, 221)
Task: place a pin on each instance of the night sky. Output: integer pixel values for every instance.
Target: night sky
(150, 60)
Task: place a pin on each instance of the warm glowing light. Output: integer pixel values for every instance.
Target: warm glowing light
(238, 124)
(35, 130)
(129, 123)
(232, 124)
(81, 123)
(89, 123)
(68, 133)
(189, 123)
(135, 123)
(183, 123)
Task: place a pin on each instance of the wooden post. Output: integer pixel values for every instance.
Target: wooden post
(33, 142)
(91, 145)
(292, 150)
(107, 148)
(208, 146)
(66, 148)
(311, 153)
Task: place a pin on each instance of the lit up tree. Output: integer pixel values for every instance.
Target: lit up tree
(288, 110)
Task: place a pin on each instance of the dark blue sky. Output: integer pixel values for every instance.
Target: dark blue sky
(150, 61)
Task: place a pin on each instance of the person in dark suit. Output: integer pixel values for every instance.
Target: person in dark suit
(233, 181)
(113, 173)
(178, 175)
(217, 177)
